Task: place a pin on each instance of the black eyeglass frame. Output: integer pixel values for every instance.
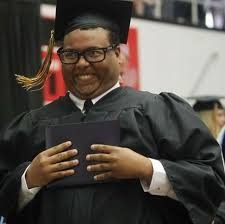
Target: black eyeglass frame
(60, 51)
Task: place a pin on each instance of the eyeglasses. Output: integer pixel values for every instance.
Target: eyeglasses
(93, 55)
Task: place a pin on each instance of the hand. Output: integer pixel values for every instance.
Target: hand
(118, 162)
(50, 165)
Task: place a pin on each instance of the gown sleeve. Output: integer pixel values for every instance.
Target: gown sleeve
(220, 215)
(13, 140)
(189, 154)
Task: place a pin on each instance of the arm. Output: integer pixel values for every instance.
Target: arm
(220, 215)
(124, 163)
(12, 165)
(160, 184)
(26, 195)
(190, 156)
(47, 166)
(188, 153)
(17, 147)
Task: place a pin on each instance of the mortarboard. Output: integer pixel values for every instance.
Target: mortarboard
(118, 11)
(207, 102)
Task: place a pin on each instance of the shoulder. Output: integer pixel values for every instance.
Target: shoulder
(172, 100)
(51, 110)
(138, 95)
(167, 96)
(163, 100)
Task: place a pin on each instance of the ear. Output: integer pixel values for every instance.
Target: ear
(118, 54)
(117, 51)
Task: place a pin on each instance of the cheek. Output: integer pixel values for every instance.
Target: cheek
(112, 68)
(67, 70)
(67, 74)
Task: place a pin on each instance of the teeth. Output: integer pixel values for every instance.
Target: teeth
(84, 77)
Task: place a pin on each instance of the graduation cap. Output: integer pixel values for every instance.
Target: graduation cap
(207, 103)
(117, 11)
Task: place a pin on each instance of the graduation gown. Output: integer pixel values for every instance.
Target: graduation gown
(162, 127)
(220, 215)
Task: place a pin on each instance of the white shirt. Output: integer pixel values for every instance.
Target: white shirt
(160, 184)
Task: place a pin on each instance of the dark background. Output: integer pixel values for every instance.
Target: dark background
(19, 54)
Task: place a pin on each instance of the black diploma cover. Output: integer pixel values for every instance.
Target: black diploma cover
(82, 136)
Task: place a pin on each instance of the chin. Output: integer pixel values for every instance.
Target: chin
(85, 94)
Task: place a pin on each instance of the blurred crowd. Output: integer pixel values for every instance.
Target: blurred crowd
(205, 13)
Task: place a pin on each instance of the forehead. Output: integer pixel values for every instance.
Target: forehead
(84, 38)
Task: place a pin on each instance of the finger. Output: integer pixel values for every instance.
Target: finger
(102, 148)
(61, 174)
(99, 167)
(99, 157)
(58, 148)
(62, 156)
(64, 165)
(103, 176)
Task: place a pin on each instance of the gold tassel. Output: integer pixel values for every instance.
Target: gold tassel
(43, 73)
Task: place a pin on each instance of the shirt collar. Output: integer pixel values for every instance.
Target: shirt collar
(80, 103)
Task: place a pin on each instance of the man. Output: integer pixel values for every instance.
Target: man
(166, 169)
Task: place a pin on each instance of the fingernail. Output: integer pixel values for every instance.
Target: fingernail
(89, 168)
(88, 157)
(69, 143)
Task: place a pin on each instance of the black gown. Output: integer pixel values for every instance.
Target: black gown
(162, 127)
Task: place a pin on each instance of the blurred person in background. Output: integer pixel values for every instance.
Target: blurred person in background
(211, 112)
(221, 139)
(124, 64)
(180, 11)
(129, 74)
(220, 117)
(147, 8)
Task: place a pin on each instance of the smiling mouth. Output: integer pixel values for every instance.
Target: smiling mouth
(85, 78)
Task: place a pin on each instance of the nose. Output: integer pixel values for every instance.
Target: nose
(82, 61)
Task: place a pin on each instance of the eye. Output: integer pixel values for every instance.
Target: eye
(70, 54)
(94, 53)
